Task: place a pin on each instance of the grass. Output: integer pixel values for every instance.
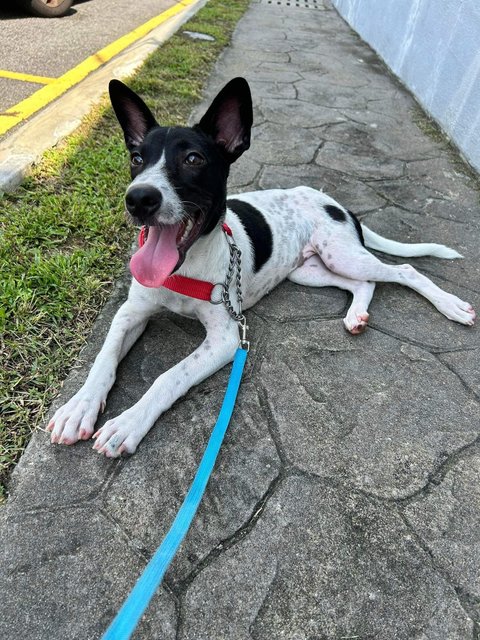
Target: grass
(64, 238)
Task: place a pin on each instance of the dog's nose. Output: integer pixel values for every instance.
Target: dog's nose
(143, 201)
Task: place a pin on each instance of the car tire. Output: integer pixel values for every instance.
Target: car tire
(47, 8)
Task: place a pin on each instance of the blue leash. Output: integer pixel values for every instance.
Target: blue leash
(126, 620)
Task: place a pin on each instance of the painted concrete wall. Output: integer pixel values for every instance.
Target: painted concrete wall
(434, 47)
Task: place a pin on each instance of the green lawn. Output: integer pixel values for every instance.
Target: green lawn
(64, 238)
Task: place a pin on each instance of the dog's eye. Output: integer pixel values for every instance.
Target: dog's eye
(136, 159)
(194, 159)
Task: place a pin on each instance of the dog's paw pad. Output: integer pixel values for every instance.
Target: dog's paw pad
(85, 434)
(457, 310)
(118, 437)
(74, 420)
(356, 323)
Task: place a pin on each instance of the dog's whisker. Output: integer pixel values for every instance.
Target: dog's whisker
(195, 205)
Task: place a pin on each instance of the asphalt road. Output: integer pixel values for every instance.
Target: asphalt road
(50, 47)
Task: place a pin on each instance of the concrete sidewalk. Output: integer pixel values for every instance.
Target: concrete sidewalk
(345, 503)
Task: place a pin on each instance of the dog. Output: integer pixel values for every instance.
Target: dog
(178, 192)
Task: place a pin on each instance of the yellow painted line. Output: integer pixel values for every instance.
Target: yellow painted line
(24, 109)
(25, 77)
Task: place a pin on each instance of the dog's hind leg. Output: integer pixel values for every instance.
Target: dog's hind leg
(313, 273)
(350, 259)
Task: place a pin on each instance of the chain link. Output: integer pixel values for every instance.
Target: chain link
(234, 270)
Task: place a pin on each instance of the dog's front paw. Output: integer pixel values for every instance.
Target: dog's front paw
(119, 436)
(75, 420)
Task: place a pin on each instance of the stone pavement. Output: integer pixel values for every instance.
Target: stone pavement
(345, 502)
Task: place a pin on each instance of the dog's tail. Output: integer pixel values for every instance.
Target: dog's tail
(374, 241)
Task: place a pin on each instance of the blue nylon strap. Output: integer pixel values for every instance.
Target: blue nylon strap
(126, 620)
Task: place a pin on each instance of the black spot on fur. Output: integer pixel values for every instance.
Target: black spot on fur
(335, 213)
(257, 229)
(357, 227)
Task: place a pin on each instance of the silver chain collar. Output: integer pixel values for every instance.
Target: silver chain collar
(234, 271)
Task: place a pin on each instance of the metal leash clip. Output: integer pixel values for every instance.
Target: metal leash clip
(243, 326)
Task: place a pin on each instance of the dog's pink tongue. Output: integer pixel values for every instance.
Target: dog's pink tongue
(154, 262)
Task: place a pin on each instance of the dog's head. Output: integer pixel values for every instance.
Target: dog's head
(179, 174)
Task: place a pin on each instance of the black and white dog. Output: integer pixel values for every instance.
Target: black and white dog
(178, 191)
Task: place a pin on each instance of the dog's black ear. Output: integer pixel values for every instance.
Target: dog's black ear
(134, 116)
(229, 118)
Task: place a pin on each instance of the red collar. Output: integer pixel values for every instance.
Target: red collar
(199, 289)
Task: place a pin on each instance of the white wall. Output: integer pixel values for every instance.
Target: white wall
(434, 47)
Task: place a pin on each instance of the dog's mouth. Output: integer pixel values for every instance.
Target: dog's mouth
(164, 250)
